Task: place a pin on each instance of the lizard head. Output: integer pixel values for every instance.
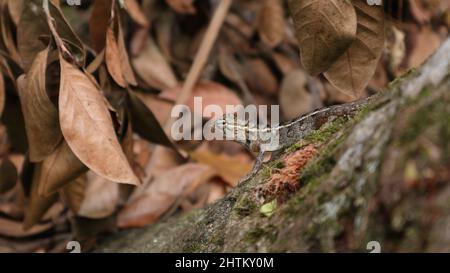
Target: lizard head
(231, 126)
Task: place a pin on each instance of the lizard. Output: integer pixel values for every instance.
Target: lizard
(285, 135)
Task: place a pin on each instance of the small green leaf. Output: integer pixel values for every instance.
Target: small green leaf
(268, 208)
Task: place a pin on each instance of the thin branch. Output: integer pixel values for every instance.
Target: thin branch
(202, 55)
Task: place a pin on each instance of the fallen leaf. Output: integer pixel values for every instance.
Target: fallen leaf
(271, 24)
(162, 193)
(211, 93)
(14, 229)
(37, 205)
(99, 23)
(112, 58)
(73, 193)
(146, 124)
(135, 12)
(58, 169)
(325, 29)
(152, 67)
(87, 127)
(354, 69)
(100, 198)
(40, 114)
(294, 97)
(230, 169)
(33, 27)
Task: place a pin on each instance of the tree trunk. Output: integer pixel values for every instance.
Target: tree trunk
(382, 176)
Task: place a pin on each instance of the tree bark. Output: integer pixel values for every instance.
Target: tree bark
(382, 176)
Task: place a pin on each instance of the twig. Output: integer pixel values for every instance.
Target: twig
(51, 25)
(202, 55)
(196, 69)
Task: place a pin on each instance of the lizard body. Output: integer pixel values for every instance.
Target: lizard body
(261, 140)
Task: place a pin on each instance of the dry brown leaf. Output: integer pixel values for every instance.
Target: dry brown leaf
(40, 114)
(271, 24)
(354, 69)
(37, 205)
(230, 169)
(294, 97)
(426, 43)
(99, 23)
(135, 12)
(146, 124)
(7, 34)
(152, 67)
(73, 193)
(127, 70)
(212, 93)
(13, 229)
(260, 77)
(8, 175)
(182, 6)
(87, 127)
(100, 198)
(162, 193)
(58, 169)
(33, 33)
(112, 58)
(325, 29)
(15, 10)
(161, 108)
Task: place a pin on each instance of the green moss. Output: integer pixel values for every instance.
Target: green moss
(423, 119)
(325, 133)
(245, 207)
(259, 233)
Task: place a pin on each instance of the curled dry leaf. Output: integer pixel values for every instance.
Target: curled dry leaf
(58, 169)
(212, 93)
(230, 169)
(116, 56)
(127, 70)
(152, 67)
(145, 122)
(161, 108)
(271, 24)
(354, 69)
(182, 6)
(15, 10)
(38, 205)
(136, 13)
(33, 30)
(100, 198)
(324, 29)
(87, 126)
(40, 114)
(99, 23)
(73, 193)
(8, 175)
(112, 57)
(294, 96)
(162, 193)
(260, 77)
(426, 43)
(13, 229)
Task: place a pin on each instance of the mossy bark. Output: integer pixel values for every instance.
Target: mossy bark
(382, 176)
